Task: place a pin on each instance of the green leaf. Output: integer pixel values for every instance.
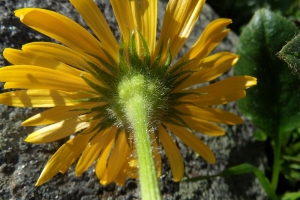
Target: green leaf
(291, 196)
(244, 168)
(274, 104)
(260, 135)
(264, 181)
(290, 53)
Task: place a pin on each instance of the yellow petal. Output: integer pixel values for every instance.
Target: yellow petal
(18, 85)
(121, 177)
(123, 14)
(129, 168)
(96, 21)
(40, 98)
(205, 50)
(102, 161)
(93, 149)
(42, 77)
(64, 157)
(210, 68)
(156, 154)
(193, 142)
(136, 13)
(221, 92)
(149, 23)
(203, 126)
(173, 154)
(216, 98)
(212, 29)
(210, 114)
(136, 17)
(57, 114)
(117, 158)
(18, 57)
(59, 130)
(56, 52)
(228, 85)
(179, 20)
(133, 164)
(63, 54)
(62, 29)
(214, 41)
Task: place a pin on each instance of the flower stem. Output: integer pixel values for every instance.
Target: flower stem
(137, 113)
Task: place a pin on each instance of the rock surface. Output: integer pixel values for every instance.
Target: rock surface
(21, 163)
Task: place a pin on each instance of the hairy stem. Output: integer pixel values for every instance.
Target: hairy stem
(137, 114)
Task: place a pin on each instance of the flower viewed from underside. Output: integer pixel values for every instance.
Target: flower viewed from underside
(86, 82)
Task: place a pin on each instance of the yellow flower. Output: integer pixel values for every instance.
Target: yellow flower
(86, 82)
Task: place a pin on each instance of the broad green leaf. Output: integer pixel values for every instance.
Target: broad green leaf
(244, 168)
(290, 53)
(274, 104)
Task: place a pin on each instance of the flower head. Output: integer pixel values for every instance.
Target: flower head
(91, 85)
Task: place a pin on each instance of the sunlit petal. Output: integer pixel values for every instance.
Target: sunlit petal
(57, 52)
(119, 155)
(228, 85)
(59, 130)
(95, 19)
(41, 76)
(122, 176)
(93, 149)
(59, 113)
(179, 20)
(149, 22)
(124, 17)
(173, 154)
(102, 161)
(64, 157)
(69, 32)
(216, 98)
(193, 142)
(18, 57)
(203, 126)
(210, 114)
(210, 68)
(40, 98)
(212, 30)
